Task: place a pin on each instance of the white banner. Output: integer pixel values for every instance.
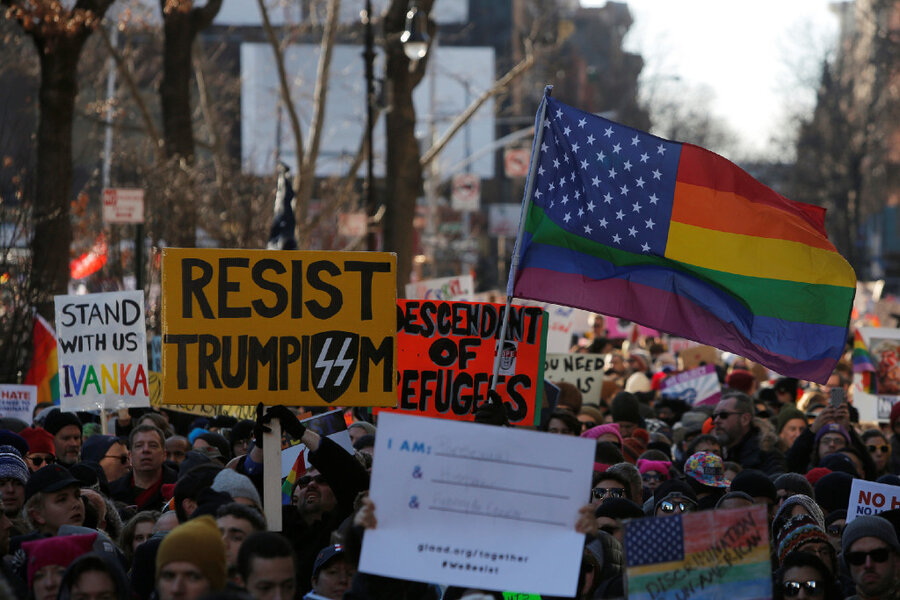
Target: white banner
(870, 498)
(477, 506)
(18, 401)
(696, 387)
(101, 342)
(459, 288)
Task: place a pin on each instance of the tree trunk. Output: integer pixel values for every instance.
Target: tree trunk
(181, 24)
(52, 228)
(403, 172)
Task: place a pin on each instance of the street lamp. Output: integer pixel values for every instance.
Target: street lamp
(415, 37)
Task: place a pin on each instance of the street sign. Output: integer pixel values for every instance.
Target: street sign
(515, 162)
(123, 205)
(466, 192)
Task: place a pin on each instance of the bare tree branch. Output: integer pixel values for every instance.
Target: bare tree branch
(499, 86)
(307, 173)
(278, 51)
(128, 77)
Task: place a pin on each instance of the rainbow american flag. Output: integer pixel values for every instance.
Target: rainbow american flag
(707, 554)
(671, 236)
(297, 471)
(44, 369)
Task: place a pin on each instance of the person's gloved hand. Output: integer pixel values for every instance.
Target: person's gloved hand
(260, 428)
(289, 422)
(492, 412)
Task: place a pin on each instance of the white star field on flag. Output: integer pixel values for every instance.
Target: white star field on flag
(605, 182)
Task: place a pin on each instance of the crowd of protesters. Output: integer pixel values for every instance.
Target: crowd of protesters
(173, 510)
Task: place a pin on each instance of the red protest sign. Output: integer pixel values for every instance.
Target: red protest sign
(445, 359)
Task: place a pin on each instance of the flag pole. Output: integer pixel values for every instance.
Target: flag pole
(526, 204)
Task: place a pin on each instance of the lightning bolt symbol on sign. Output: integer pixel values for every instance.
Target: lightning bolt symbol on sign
(323, 362)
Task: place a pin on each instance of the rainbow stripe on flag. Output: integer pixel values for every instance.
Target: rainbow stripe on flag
(862, 363)
(297, 471)
(44, 369)
(676, 238)
(708, 554)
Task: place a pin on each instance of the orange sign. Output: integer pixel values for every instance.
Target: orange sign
(445, 359)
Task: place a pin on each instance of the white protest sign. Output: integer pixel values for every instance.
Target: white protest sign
(696, 387)
(102, 351)
(18, 401)
(870, 498)
(584, 371)
(330, 425)
(477, 506)
(565, 322)
(461, 287)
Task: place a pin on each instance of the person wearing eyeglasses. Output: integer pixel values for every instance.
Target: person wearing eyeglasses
(805, 577)
(109, 452)
(879, 450)
(743, 440)
(673, 497)
(608, 485)
(872, 554)
(41, 450)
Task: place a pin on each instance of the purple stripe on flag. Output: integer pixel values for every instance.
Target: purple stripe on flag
(661, 310)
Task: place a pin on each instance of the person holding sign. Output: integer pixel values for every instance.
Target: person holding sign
(325, 493)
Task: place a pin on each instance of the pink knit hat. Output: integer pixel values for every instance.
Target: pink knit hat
(660, 466)
(595, 432)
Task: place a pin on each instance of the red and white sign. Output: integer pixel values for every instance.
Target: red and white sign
(466, 194)
(515, 162)
(870, 498)
(123, 205)
(503, 219)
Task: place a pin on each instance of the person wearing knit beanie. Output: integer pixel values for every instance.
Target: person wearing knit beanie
(41, 451)
(789, 424)
(741, 380)
(632, 448)
(793, 506)
(612, 512)
(191, 559)
(788, 484)
(833, 491)
(814, 475)
(870, 550)
(13, 477)
(48, 558)
(626, 413)
(653, 472)
(239, 486)
(758, 485)
(65, 427)
(605, 433)
(802, 533)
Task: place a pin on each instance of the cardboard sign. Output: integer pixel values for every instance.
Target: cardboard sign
(293, 328)
(478, 506)
(566, 324)
(707, 554)
(870, 498)
(446, 355)
(18, 401)
(884, 347)
(696, 387)
(584, 371)
(461, 287)
(101, 344)
(695, 356)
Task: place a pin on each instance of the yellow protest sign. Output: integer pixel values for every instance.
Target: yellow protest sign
(294, 328)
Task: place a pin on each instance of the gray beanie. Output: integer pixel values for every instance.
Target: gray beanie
(12, 466)
(869, 526)
(239, 486)
(784, 513)
(367, 427)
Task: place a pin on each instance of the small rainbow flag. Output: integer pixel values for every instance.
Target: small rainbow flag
(44, 369)
(297, 471)
(862, 363)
